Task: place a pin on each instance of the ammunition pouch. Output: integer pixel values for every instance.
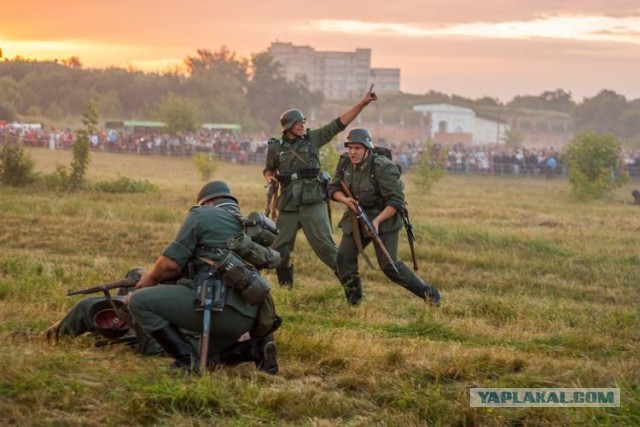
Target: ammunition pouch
(260, 229)
(255, 254)
(300, 174)
(236, 275)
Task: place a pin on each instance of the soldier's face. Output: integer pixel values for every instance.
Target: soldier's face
(356, 153)
(298, 128)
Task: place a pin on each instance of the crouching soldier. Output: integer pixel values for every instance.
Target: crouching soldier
(165, 301)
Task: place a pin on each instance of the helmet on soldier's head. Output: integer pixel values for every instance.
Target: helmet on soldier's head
(106, 321)
(289, 118)
(359, 136)
(214, 189)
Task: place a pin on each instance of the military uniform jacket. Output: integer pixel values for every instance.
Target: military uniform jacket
(204, 233)
(299, 173)
(374, 186)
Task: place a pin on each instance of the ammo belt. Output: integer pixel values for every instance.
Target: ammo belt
(301, 174)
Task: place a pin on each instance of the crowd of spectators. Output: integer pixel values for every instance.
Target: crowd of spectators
(228, 146)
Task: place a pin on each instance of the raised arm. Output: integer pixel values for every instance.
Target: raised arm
(349, 115)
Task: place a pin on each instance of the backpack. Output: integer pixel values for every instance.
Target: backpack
(343, 162)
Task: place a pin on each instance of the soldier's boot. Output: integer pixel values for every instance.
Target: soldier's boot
(261, 351)
(239, 352)
(353, 290)
(285, 276)
(179, 347)
(265, 354)
(418, 287)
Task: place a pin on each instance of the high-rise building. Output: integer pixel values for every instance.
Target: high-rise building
(335, 74)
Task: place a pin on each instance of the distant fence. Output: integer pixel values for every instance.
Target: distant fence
(258, 156)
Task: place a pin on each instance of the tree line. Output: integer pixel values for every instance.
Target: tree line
(219, 87)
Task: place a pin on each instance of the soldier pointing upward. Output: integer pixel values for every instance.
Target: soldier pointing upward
(293, 160)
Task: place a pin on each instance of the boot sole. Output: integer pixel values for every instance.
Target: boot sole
(270, 359)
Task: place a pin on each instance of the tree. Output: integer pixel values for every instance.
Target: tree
(11, 98)
(179, 114)
(513, 138)
(602, 113)
(217, 83)
(81, 157)
(72, 62)
(558, 100)
(7, 112)
(594, 165)
(270, 94)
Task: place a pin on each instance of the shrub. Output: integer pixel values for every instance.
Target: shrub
(329, 158)
(594, 165)
(16, 167)
(430, 169)
(205, 164)
(125, 185)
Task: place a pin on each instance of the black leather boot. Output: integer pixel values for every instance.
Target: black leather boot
(177, 346)
(418, 287)
(285, 276)
(353, 291)
(265, 354)
(237, 353)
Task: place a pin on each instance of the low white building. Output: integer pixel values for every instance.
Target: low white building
(451, 124)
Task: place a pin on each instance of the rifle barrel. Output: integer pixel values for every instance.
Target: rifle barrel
(123, 283)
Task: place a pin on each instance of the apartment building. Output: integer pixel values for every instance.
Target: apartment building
(335, 74)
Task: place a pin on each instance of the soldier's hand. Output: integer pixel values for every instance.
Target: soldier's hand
(351, 204)
(270, 177)
(370, 95)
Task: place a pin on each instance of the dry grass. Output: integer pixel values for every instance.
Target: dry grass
(538, 291)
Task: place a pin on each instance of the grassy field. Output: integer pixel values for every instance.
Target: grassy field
(537, 291)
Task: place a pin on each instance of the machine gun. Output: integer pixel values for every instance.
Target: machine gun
(368, 226)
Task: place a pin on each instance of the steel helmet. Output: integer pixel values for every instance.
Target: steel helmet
(289, 118)
(214, 189)
(359, 136)
(106, 320)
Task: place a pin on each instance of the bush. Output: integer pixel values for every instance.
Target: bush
(329, 158)
(16, 167)
(595, 167)
(430, 169)
(205, 164)
(125, 185)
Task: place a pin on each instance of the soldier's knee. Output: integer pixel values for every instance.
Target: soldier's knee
(392, 273)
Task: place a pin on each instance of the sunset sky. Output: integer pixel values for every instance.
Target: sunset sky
(496, 48)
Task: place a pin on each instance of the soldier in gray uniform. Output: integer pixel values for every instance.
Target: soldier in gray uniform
(165, 298)
(293, 160)
(374, 181)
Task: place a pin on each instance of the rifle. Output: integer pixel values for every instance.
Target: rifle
(410, 236)
(271, 199)
(366, 223)
(123, 283)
